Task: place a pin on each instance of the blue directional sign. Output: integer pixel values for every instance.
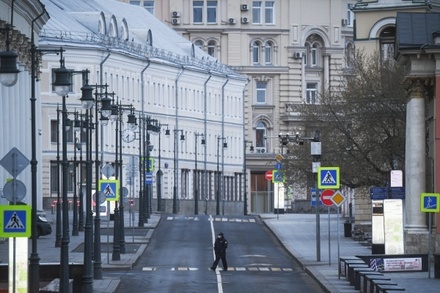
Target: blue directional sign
(278, 166)
(313, 198)
(429, 202)
(328, 178)
(15, 221)
(148, 178)
(110, 189)
(379, 193)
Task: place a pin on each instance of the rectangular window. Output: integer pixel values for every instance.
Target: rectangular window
(211, 11)
(256, 54)
(269, 12)
(54, 177)
(197, 11)
(311, 93)
(149, 5)
(314, 56)
(268, 54)
(138, 3)
(256, 12)
(350, 15)
(261, 92)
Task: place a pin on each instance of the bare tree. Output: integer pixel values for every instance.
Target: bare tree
(362, 125)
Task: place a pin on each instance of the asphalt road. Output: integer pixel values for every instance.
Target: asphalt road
(180, 254)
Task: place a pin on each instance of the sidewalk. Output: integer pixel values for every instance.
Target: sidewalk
(297, 232)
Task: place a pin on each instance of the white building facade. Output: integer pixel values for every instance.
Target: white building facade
(291, 51)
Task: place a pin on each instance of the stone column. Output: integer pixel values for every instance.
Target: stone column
(415, 166)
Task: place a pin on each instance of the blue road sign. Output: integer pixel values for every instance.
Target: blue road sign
(278, 166)
(430, 202)
(328, 178)
(148, 178)
(313, 198)
(378, 193)
(110, 189)
(15, 221)
(278, 176)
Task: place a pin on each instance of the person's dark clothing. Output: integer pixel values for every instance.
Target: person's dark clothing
(220, 246)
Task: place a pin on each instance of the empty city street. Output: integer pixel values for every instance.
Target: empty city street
(180, 254)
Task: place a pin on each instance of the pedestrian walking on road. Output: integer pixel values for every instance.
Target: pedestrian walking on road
(220, 246)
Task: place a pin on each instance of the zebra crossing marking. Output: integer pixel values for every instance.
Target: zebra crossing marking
(237, 269)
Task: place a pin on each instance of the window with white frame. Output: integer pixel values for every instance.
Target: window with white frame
(263, 11)
(269, 12)
(256, 47)
(311, 89)
(212, 48)
(268, 51)
(261, 89)
(260, 137)
(211, 11)
(349, 55)
(198, 11)
(256, 11)
(149, 6)
(386, 39)
(350, 15)
(313, 45)
(199, 44)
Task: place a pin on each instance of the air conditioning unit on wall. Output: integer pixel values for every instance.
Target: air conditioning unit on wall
(175, 14)
(175, 21)
(297, 55)
(345, 22)
(244, 7)
(261, 150)
(244, 20)
(232, 21)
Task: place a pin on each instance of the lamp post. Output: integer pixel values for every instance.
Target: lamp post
(315, 148)
(196, 179)
(176, 167)
(118, 230)
(217, 194)
(251, 148)
(88, 102)
(159, 173)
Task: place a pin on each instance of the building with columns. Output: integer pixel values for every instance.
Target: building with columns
(289, 50)
(413, 46)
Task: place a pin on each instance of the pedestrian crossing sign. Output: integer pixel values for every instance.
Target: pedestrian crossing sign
(328, 178)
(110, 189)
(15, 221)
(429, 202)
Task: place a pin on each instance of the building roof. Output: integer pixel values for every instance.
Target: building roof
(416, 30)
(116, 25)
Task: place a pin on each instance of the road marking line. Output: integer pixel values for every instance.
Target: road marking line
(217, 272)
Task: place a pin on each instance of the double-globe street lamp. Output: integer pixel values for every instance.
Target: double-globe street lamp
(159, 174)
(118, 230)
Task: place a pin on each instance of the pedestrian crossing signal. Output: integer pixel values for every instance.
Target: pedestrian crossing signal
(328, 178)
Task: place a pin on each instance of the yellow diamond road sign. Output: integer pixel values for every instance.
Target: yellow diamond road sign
(338, 199)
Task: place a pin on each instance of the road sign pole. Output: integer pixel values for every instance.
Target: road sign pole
(318, 224)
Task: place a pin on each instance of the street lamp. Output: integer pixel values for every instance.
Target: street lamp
(159, 173)
(8, 59)
(176, 167)
(225, 145)
(315, 148)
(251, 148)
(118, 230)
(196, 179)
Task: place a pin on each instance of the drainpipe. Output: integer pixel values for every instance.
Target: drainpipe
(205, 131)
(176, 144)
(223, 150)
(142, 199)
(245, 198)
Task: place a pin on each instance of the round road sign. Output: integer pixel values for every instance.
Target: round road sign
(268, 175)
(326, 196)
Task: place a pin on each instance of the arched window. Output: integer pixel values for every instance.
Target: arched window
(386, 38)
(260, 137)
(199, 44)
(212, 48)
(313, 46)
(349, 55)
(268, 53)
(256, 47)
